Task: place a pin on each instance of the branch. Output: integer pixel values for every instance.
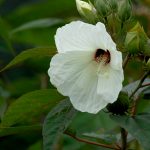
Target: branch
(140, 84)
(124, 138)
(133, 110)
(147, 84)
(128, 56)
(115, 147)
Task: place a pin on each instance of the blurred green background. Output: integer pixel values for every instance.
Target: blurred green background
(33, 23)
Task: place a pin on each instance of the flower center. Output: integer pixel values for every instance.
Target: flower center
(102, 56)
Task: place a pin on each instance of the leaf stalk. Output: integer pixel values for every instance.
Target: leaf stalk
(115, 147)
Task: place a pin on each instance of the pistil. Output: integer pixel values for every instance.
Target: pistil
(102, 56)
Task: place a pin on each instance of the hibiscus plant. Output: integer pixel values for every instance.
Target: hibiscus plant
(89, 74)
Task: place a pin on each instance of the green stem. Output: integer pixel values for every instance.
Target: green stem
(115, 147)
(140, 83)
(128, 56)
(124, 138)
(133, 110)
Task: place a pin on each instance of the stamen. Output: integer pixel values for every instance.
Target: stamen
(102, 56)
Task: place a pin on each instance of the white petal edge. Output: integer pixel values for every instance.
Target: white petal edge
(80, 36)
(109, 43)
(116, 60)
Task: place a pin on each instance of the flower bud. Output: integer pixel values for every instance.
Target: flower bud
(136, 40)
(113, 5)
(103, 7)
(125, 10)
(87, 11)
(119, 107)
(147, 49)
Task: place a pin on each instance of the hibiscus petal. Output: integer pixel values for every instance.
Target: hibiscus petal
(80, 36)
(74, 74)
(110, 84)
(116, 60)
(64, 65)
(107, 40)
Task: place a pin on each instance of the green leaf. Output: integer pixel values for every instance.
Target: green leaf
(31, 53)
(143, 104)
(41, 9)
(31, 106)
(138, 127)
(106, 138)
(5, 36)
(36, 146)
(4, 131)
(31, 37)
(40, 23)
(24, 84)
(132, 86)
(56, 123)
(3, 106)
(1, 2)
(146, 93)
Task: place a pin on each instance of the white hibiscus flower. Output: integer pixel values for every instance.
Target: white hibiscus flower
(87, 68)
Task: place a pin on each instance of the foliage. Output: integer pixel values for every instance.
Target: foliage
(137, 126)
(56, 123)
(30, 106)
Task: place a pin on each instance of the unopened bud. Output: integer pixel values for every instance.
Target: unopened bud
(125, 10)
(103, 7)
(132, 42)
(147, 49)
(136, 40)
(113, 5)
(87, 10)
(119, 107)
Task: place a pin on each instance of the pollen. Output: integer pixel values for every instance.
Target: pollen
(102, 56)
